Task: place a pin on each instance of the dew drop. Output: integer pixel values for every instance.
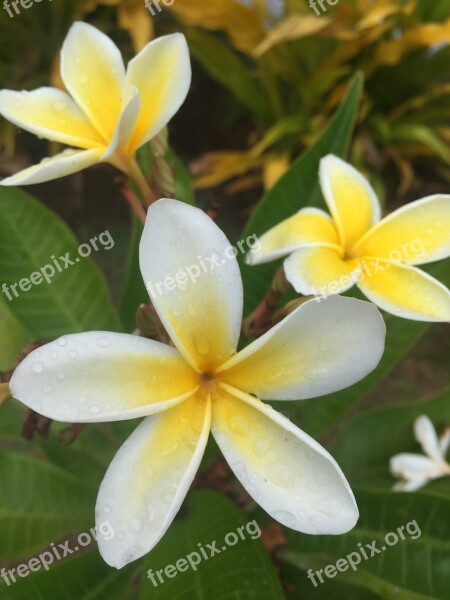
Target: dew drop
(238, 424)
(95, 409)
(261, 446)
(107, 508)
(103, 342)
(37, 368)
(285, 518)
(202, 345)
(73, 353)
(62, 342)
(59, 106)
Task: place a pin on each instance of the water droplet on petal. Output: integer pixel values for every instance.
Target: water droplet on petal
(59, 106)
(62, 341)
(261, 446)
(37, 368)
(103, 342)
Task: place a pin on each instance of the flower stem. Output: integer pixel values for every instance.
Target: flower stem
(133, 201)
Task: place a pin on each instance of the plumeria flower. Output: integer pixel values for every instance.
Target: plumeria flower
(328, 255)
(203, 384)
(416, 470)
(109, 112)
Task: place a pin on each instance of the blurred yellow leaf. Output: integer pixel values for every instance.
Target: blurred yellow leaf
(431, 34)
(215, 168)
(292, 28)
(275, 166)
(244, 25)
(4, 393)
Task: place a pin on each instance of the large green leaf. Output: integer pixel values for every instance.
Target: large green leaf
(39, 503)
(298, 188)
(411, 569)
(76, 299)
(367, 442)
(13, 338)
(84, 577)
(242, 571)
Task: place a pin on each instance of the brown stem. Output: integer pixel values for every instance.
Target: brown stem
(133, 201)
(260, 320)
(148, 194)
(69, 434)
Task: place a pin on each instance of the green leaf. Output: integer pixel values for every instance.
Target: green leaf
(367, 442)
(39, 503)
(413, 568)
(74, 300)
(243, 570)
(298, 188)
(83, 577)
(134, 292)
(14, 337)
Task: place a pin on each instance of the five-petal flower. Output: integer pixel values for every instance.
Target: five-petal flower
(416, 470)
(329, 255)
(109, 112)
(203, 383)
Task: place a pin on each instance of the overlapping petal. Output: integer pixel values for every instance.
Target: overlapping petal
(352, 201)
(414, 467)
(320, 271)
(426, 436)
(308, 227)
(162, 74)
(415, 234)
(321, 347)
(407, 292)
(51, 114)
(148, 479)
(288, 473)
(100, 376)
(126, 125)
(193, 278)
(65, 163)
(94, 74)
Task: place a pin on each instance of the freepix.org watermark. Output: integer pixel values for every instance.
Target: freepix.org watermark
(193, 559)
(17, 5)
(154, 6)
(57, 265)
(204, 264)
(370, 267)
(365, 552)
(57, 552)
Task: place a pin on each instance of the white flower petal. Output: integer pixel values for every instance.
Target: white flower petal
(288, 473)
(101, 376)
(67, 162)
(350, 197)
(309, 227)
(413, 466)
(51, 114)
(426, 436)
(194, 282)
(409, 485)
(149, 478)
(94, 74)
(162, 74)
(444, 441)
(322, 347)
